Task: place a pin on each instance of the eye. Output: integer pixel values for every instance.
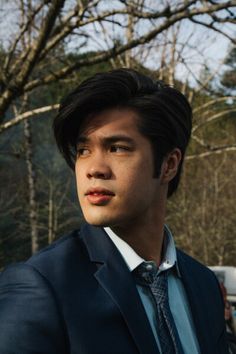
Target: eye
(83, 151)
(119, 148)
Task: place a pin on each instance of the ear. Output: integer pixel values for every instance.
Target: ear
(170, 166)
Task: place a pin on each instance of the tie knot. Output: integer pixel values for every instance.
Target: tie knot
(145, 273)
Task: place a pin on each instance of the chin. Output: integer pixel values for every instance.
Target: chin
(100, 220)
(97, 221)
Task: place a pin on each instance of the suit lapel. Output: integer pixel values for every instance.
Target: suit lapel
(199, 312)
(116, 279)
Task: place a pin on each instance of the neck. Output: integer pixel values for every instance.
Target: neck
(145, 236)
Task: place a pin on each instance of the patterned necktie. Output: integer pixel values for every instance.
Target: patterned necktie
(146, 274)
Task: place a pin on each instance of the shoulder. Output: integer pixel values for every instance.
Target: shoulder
(31, 291)
(205, 297)
(62, 259)
(33, 276)
(199, 275)
(38, 280)
(65, 249)
(197, 269)
(58, 248)
(194, 264)
(29, 312)
(47, 266)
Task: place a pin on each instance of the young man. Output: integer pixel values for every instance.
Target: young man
(118, 285)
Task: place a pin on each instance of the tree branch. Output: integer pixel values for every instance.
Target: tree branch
(213, 118)
(26, 115)
(214, 101)
(21, 33)
(212, 27)
(29, 63)
(213, 150)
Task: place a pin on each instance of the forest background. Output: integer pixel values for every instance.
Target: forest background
(48, 47)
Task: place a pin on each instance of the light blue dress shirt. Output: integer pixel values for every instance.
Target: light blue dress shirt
(177, 296)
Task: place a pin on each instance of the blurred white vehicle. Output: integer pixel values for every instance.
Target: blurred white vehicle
(227, 276)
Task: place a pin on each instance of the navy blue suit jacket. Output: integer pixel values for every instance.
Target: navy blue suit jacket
(77, 296)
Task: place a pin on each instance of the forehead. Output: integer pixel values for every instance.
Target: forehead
(110, 121)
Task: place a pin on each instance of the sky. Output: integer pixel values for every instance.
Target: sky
(204, 48)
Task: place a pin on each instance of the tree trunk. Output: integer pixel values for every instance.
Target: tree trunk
(31, 186)
(50, 215)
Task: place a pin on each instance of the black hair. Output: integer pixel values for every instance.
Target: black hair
(165, 114)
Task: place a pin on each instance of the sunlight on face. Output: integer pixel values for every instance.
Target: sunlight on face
(114, 170)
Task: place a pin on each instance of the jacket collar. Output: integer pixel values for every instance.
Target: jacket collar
(115, 277)
(196, 301)
(133, 260)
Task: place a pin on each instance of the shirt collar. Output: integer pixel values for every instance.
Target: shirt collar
(133, 260)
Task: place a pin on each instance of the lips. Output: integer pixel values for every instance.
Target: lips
(99, 196)
(99, 191)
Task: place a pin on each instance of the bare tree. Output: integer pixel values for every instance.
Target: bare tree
(202, 213)
(33, 214)
(53, 25)
(54, 40)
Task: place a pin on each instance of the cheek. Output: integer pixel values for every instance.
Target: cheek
(139, 173)
(79, 183)
(137, 182)
(79, 174)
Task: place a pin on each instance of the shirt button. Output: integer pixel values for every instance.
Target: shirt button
(149, 267)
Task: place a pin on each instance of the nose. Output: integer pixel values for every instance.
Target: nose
(99, 168)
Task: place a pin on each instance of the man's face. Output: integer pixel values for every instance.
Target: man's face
(114, 170)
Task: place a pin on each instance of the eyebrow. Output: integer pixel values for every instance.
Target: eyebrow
(107, 140)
